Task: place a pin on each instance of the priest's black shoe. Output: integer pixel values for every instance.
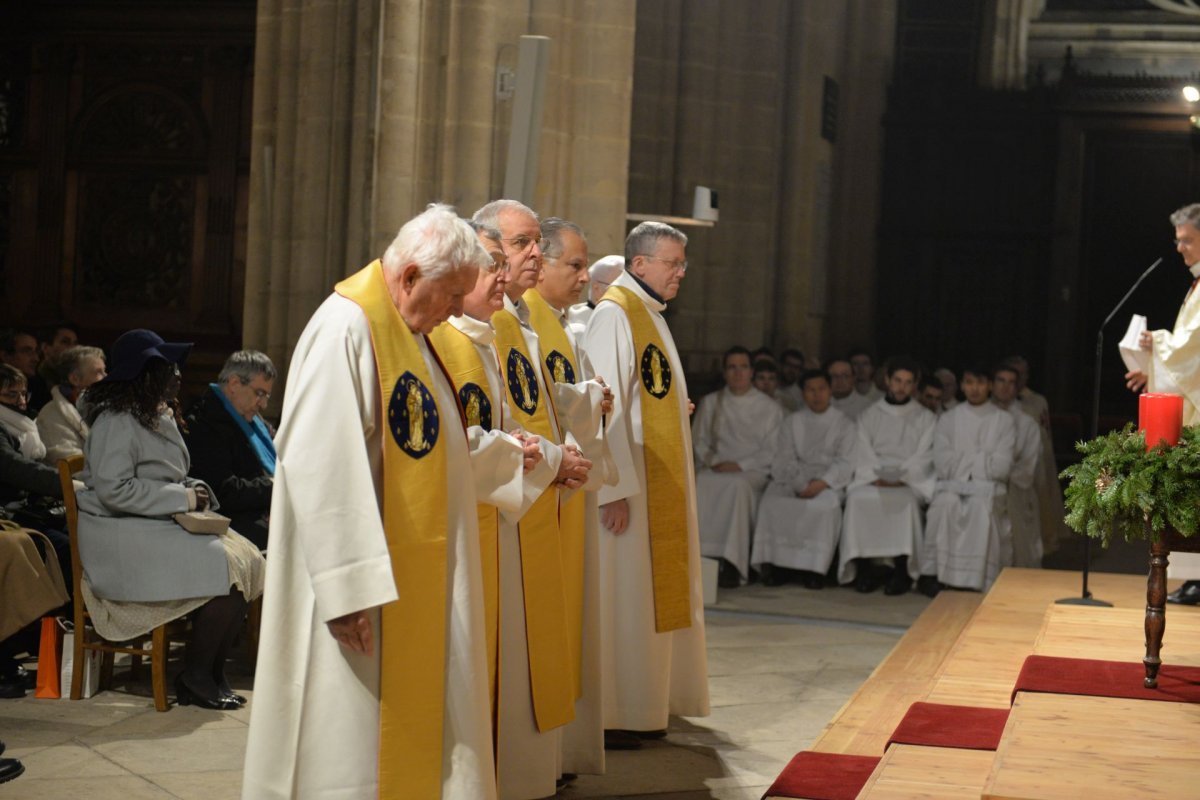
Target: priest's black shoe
(621, 740)
(928, 585)
(727, 576)
(1186, 595)
(899, 583)
(9, 769)
(186, 697)
(812, 580)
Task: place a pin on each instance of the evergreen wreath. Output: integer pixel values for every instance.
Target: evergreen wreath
(1119, 487)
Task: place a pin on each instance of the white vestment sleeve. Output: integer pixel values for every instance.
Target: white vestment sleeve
(498, 464)
(609, 345)
(919, 467)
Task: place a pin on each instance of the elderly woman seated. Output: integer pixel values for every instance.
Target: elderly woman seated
(141, 568)
(59, 423)
(231, 444)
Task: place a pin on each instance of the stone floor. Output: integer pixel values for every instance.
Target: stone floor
(782, 661)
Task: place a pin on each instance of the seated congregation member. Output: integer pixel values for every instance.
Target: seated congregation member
(733, 436)
(19, 348)
(841, 384)
(929, 393)
(766, 380)
(32, 587)
(800, 515)
(141, 568)
(966, 530)
(1023, 510)
(59, 423)
(893, 479)
(52, 341)
(231, 444)
(949, 383)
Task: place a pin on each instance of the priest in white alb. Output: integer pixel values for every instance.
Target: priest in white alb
(733, 436)
(967, 532)
(800, 515)
(1023, 509)
(652, 602)
(893, 480)
(841, 383)
(372, 679)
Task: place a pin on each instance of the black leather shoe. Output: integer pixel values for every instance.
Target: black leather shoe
(186, 697)
(928, 585)
(235, 697)
(812, 580)
(621, 740)
(865, 582)
(10, 768)
(1186, 595)
(727, 576)
(899, 583)
(658, 734)
(564, 780)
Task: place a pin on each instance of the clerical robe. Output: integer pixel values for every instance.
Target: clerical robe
(577, 403)
(853, 404)
(740, 429)
(802, 533)
(895, 443)
(1023, 510)
(967, 531)
(1049, 491)
(315, 721)
(790, 397)
(647, 675)
(1175, 356)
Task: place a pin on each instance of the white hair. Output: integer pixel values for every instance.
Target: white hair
(606, 269)
(438, 242)
(489, 215)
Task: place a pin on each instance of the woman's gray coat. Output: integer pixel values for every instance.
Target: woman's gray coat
(130, 547)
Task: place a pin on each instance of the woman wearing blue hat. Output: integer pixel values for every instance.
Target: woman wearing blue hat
(141, 569)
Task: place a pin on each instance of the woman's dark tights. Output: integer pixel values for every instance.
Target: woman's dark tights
(214, 627)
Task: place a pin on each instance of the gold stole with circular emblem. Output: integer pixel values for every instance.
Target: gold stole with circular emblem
(465, 365)
(551, 676)
(412, 675)
(545, 322)
(666, 465)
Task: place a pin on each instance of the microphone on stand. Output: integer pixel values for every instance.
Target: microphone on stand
(1086, 599)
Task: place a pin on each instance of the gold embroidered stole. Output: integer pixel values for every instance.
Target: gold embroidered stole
(561, 365)
(551, 677)
(483, 408)
(666, 465)
(412, 643)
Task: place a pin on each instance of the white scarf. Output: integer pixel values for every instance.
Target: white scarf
(26, 433)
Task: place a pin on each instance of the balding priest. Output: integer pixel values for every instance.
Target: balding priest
(652, 601)
(372, 679)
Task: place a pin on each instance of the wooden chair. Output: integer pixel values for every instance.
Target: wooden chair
(86, 638)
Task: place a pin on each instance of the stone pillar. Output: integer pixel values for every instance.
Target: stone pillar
(367, 110)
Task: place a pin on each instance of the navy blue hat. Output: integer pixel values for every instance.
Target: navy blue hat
(133, 349)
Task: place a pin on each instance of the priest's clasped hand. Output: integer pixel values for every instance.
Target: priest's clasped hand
(1136, 380)
(532, 447)
(353, 631)
(606, 405)
(573, 471)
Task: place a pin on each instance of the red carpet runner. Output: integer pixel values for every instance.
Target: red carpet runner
(823, 776)
(938, 725)
(1106, 679)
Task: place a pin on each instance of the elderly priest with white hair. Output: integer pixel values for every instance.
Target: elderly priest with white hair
(372, 677)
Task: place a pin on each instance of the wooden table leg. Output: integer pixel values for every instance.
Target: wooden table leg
(1156, 599)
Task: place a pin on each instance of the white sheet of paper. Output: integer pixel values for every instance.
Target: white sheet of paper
(1132, 354)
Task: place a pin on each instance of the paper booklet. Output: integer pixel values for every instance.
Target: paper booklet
(1135, 358)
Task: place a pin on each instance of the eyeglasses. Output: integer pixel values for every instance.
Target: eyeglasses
(498, 266)
(1188, 241)
(261, 396)
(680, 266)
(522, 243)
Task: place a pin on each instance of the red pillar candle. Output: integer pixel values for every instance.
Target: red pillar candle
(1161, 417)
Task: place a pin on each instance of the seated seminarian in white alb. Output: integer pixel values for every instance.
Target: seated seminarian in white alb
(1023, 509)
(800, 514)
(864, 374)
(372, 677)
(651, 597)
(967, 532)
(791, 365)
(893, 479)
(929, 393)
(734, 434)
(841, 384)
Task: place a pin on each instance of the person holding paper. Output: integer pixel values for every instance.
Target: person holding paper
(1175, 354)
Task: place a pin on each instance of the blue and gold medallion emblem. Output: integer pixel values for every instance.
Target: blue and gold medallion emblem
(413, 416)
(560, 368)
(656, 371)
(522, 382)
(476, 405)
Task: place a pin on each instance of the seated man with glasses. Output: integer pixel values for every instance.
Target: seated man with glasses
(231, 444)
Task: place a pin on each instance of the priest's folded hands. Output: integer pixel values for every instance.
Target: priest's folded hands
(353, 631)
(573, 471)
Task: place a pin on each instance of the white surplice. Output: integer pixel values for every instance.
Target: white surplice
(803, 533)
(314, 723)
(790, 397)
(1023, 512)
(647, 675)
(741, 429)
(895, 443)
(967, 532)
(853, 404)
(1049, 491)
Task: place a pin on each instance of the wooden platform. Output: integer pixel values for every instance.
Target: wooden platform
(992, 636)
